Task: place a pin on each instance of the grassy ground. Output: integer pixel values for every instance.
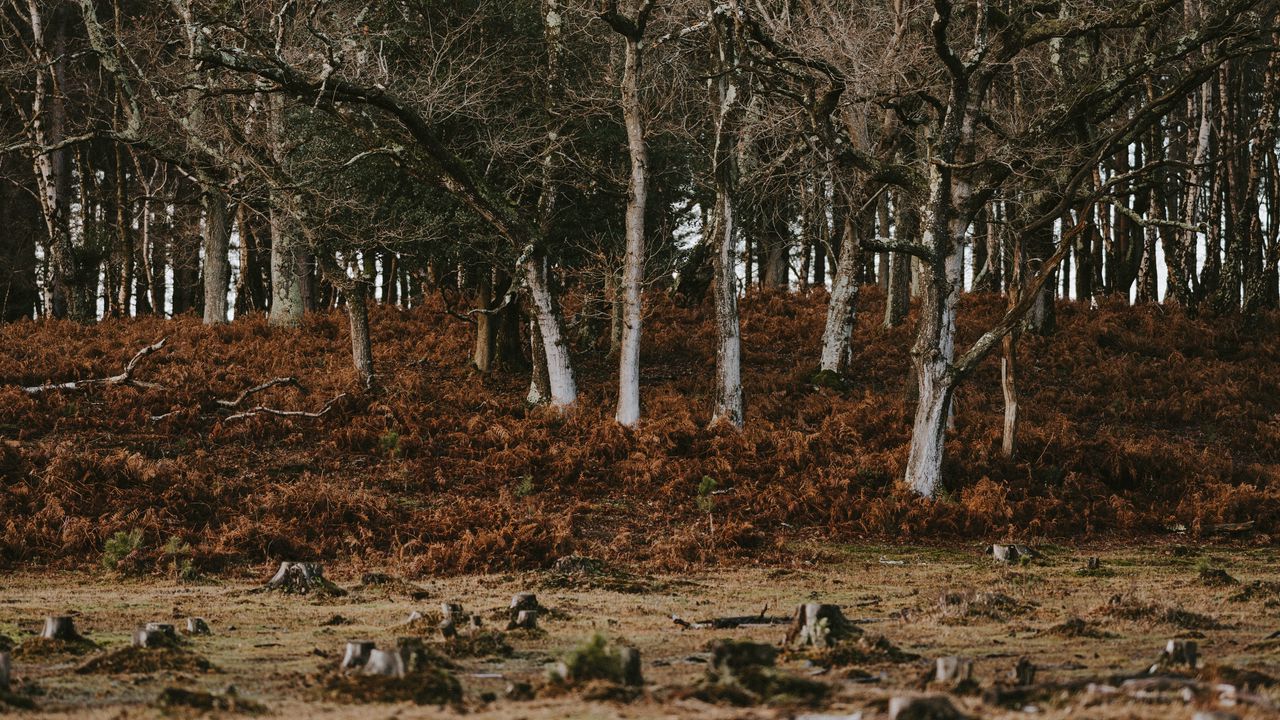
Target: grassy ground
(278, 650)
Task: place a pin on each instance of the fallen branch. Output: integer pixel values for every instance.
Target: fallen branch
(729, 623)
(124, 378)
(250, 392)
(263, 410)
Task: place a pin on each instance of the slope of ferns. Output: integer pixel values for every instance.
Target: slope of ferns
(1133, 419)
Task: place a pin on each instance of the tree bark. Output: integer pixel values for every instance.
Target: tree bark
(730, 110)
(286, 284)
(628, 411)
(358, 317)
(838, 331)
(217, 265)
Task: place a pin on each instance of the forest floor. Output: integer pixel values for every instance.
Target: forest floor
(1076, 625)
(1136, 422)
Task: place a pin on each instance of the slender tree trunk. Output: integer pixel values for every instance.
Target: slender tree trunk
(217, 265)
(628, 412)
(482, 354)
(358, 318)
(730, 106)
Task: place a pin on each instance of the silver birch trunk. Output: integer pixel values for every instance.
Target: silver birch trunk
(628, 412)
(728, 129)
(560, 382)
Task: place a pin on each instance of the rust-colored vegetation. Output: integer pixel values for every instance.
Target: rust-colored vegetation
(1134, 419)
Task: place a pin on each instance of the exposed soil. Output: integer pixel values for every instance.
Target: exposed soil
(275, 652)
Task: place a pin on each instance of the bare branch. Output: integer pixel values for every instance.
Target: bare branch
(124, 378)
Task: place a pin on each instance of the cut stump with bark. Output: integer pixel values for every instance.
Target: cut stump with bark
(1012, 554)
(953, 670)
(1024, 673)
(819, 625)
(356, 654)
(524, 620)
(302, 578)
(387, 663)
(59, 627)
(1177, 653)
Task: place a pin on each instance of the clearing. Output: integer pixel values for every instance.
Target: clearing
(1076, 624)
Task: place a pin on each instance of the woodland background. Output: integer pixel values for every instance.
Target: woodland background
(680, 281)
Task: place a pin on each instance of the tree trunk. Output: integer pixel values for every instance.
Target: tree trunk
(628, 412)
(358, 316)
(560, 382)
(539, 382)
(838, 331)
(728, 127)
(217, 266)
(286, 285)
(482, 354)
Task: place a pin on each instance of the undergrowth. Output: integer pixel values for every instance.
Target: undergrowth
(1133, 420)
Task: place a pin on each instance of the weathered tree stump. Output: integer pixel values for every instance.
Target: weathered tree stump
(1024, 673)
(953, 670)
(1011, 554)
(302, 578)
(144, 637)
(819, 624)
(197, 626)
(929, 707)
(524, 620)
(5, 667)
(631, 672)
(1178, 652)
(1092, 563)
(166, 629)
(384, 662)
(524, 601)
(59, 627)
(356, 654)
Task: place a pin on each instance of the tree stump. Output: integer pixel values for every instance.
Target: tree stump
(197, 626)
(4, 670)
(166, 629)
(450, 609)
(930, 707)
(1092, 563)
(384, 662)
(1179, 652)
(631, 672)
(448, 627)
(150, 638)
(524, 620)
(59, 627)
(1024, 673)
(524, 601)
(356, 654)
(1011, 554)
(953, 670)
(302, 578)
(820, 625)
